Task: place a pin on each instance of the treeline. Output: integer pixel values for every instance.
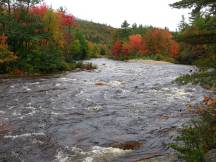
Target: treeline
(144, 42)
(198, 37)
(34, 38)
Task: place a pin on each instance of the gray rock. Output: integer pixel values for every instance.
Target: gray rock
(211, 156)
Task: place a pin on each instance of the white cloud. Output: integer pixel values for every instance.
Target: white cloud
(114, 12)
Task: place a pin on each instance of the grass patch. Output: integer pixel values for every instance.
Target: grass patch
(205, 79)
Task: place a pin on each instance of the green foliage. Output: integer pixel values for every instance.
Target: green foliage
(198, 38)
(103, 52)
(75, 50)
(159, 57)
(45, 59)
(197, 138)
(205, 79)
(42, 39)
(79, 47)
(93, 52)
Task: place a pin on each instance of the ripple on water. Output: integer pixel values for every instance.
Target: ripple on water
(13, 137)
(91, 110)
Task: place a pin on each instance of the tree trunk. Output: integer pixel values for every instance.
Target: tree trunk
(9, 7)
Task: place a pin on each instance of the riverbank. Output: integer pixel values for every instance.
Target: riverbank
(196, 141)
(206, 79)
(148, 61)
(76, 68)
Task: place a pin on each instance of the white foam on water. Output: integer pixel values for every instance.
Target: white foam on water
(104, 153)
(29, 114)
(181, 92)
(80, 93)
(15, 113)
(58, 84)
(11, 107)
(68, 79)
(61, 157)
(96, 153)
(2, 112)
(24, 135)
(13, 86)
(26, 88)
(35, 141)
(33, 111)
(95, 108)
(35, 83)
(57, 114)
(88, 159)
(116, 83)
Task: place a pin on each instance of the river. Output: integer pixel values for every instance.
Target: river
(119, 112)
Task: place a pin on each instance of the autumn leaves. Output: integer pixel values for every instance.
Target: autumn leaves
(154, 41)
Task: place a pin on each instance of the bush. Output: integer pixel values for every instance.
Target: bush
(44, 60)
(197, 138)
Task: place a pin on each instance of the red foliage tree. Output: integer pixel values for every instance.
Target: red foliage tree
(125, 49)
(174, 49)
(117, 49)
(40, 10)
(159, 41)
(66, 20)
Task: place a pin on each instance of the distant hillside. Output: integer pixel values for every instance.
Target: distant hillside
(95, 32)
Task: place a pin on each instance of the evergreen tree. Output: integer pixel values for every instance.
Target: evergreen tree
(125, 25)
(183, 25)
(134, 26)
(197, 5)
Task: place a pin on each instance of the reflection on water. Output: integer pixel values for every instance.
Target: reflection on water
(81, 116)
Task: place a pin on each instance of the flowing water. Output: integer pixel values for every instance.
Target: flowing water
(94, 116)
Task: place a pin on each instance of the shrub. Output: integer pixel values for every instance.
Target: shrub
(44, 60)
(197, 138)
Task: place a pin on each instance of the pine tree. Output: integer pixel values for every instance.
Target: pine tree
(125, 25)
(197, 6)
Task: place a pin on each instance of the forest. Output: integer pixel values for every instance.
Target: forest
(37, 40)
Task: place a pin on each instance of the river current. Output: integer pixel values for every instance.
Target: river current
(95, 116)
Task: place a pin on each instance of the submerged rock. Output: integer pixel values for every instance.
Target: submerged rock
(130, 145)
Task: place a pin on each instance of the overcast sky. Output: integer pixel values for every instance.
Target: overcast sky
(114, 12)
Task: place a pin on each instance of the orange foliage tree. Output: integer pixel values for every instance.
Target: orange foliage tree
(154, 41)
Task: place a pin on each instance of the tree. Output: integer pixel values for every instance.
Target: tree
(125, 25)
(117, 49)
(75, 48)
(134, 26)
(183, 25)
(135, 42)
(160, 41)
(203, 21)
(78, 35)
(209, 6)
